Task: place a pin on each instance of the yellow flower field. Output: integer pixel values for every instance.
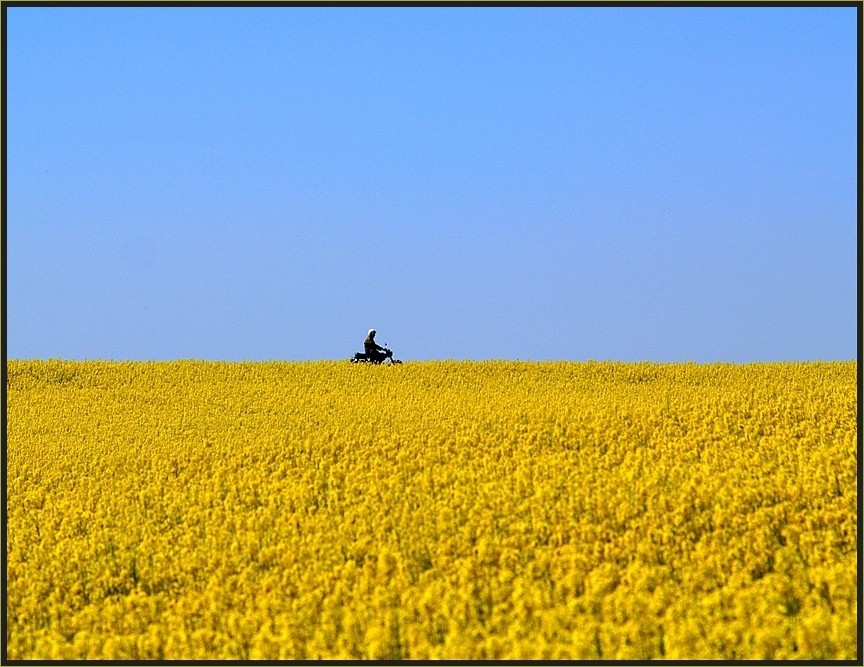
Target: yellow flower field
(277, 510)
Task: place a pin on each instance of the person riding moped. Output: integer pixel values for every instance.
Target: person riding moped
(374, 353)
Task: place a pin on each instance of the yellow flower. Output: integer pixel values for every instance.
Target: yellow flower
(494, 510)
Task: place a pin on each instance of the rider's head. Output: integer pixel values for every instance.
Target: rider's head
(372, 333)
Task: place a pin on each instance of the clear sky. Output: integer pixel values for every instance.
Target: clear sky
(662, 184)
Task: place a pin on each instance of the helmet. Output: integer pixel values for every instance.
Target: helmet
(372, 332)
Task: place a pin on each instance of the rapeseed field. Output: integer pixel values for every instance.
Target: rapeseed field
(464, 510)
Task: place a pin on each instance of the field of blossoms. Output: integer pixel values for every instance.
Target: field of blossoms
(464, 510)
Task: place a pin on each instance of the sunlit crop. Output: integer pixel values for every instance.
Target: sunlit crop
(457, 510)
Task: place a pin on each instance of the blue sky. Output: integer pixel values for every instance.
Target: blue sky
(662, 184)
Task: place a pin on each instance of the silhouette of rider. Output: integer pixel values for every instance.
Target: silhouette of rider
(374, 352)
